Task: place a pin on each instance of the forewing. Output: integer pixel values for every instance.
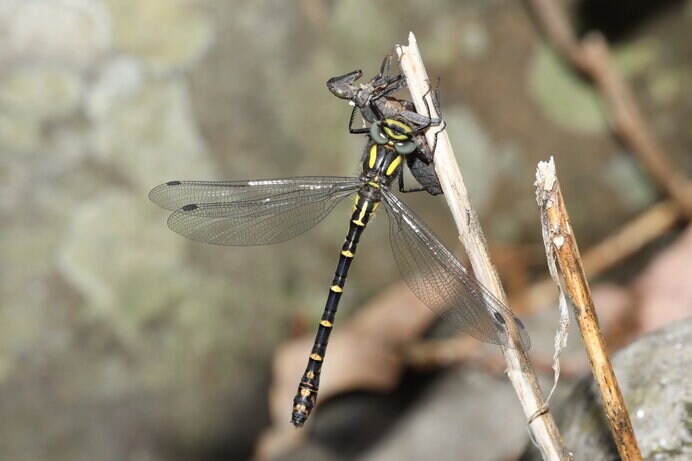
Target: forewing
(438, 279)
(174, 195)
(257, 212)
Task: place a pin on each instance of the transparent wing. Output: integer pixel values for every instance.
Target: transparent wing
(438, 279)
(259, 212)
(174, 195)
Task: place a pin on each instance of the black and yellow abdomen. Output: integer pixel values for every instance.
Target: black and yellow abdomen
(306, 397)
(381, 165)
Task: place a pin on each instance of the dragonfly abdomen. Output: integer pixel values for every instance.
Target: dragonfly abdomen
(306, 396)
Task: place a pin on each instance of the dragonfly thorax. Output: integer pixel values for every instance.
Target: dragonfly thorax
(381, 164)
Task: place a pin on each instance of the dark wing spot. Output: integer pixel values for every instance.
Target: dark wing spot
(192, 207)
(499, 318)
(521, 325)
(173, 183)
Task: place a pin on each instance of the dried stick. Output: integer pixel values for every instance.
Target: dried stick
(650, 225)
(561, 245)
(519, 369)
(592, 57)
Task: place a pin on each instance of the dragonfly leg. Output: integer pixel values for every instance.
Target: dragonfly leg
(350, 124)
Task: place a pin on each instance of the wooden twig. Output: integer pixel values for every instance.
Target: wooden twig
(592, 58)
(560, 242)
(652, 224)
(519, 369)
(613, 250)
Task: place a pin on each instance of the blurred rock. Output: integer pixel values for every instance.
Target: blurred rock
(117, 79)
(145, 129)
(634, 58)
(18, 133)
(630, 185)
(475, 153)
(565, 99)
(654, 376)
(474, 40)
(71, 32)
(40, 92)
(667, 86)
(468, 413)
(166, 34)
(137, 281)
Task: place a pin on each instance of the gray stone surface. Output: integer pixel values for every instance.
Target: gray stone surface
(655, 378)
(466, 412)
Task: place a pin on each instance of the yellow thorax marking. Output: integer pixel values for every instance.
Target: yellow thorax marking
(391, 134)
(373, 156)
(392, 166)
(374, 184)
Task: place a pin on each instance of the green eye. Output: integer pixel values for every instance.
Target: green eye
(405, 147)
(377, 135)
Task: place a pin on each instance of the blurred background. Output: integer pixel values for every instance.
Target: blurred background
(120, 340)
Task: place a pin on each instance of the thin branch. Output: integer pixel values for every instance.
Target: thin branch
(519, 369)
(592, 57)
(560, 242)
(652, 224)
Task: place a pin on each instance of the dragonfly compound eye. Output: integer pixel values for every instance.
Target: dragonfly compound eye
(405, 148)
(377, 134)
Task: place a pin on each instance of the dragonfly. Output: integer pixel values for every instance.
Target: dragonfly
(375, 101)
(269, 211)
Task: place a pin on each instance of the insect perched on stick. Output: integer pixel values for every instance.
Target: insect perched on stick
(267, 211)
(375, 102)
